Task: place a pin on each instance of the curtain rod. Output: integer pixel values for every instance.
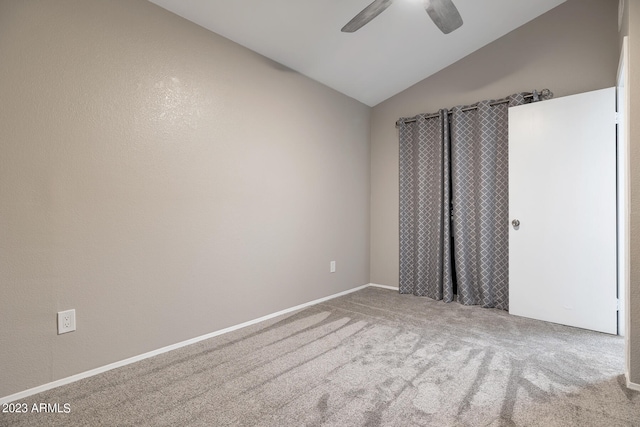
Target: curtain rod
(544, 94)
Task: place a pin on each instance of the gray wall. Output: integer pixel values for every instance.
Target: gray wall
(167, 183)
(164, 182)
(631, 28)
(570, 49)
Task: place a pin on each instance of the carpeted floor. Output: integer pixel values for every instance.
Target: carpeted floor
(370, 358)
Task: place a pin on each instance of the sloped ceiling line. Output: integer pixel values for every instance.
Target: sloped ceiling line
(397, 49)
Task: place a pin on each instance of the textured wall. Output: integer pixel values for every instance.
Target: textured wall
(164, 182)
(570, 49)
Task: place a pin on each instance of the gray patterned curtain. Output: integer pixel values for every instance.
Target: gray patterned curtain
(473, 142)
(425, 236)
(480, 188)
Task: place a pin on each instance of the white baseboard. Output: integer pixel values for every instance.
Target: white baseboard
(96, 371)
(393, 288)
(630, 385)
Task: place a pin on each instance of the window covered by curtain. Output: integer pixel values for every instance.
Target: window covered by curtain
(459, 157)
(425, 228)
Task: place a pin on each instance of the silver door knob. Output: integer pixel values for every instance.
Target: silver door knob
(515, 223)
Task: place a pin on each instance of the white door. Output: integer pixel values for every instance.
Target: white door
(562, 190)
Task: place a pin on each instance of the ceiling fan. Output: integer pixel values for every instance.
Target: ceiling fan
(443, 13)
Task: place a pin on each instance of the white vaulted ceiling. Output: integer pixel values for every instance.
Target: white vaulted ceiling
(394, 51)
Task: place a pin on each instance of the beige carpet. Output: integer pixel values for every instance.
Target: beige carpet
(371, 358)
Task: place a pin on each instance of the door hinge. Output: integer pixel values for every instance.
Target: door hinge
(617, 118)
(617, 304)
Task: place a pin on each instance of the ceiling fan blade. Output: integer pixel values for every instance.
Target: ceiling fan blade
(367, 14)
(444, 14)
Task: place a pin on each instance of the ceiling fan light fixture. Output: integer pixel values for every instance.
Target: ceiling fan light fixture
(442, 12)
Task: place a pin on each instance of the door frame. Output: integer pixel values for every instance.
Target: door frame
(622, 103)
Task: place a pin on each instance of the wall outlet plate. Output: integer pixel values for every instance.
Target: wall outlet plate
(66, 321)
(332, 267)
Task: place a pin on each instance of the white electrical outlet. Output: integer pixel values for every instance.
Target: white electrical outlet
(332, 267)
(66, 321)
